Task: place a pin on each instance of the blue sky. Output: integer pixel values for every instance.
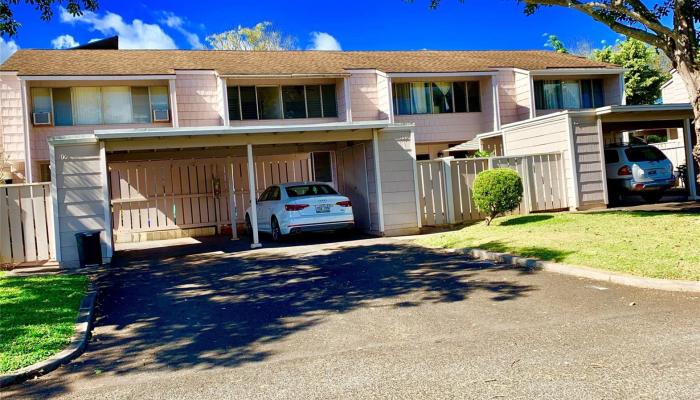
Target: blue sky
(350, 24)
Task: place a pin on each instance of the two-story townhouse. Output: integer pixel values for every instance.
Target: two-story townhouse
(144, 144)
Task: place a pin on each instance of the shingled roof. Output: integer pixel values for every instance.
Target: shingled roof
(163, 62)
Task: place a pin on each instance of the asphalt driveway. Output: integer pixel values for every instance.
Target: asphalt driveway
(374, 318)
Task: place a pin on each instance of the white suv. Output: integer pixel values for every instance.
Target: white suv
(638, 169)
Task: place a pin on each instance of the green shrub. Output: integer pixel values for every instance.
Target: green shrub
(497, 191)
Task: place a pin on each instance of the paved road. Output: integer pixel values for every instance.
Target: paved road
(373, 319)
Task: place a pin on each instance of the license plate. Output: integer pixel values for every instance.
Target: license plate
(323, 208)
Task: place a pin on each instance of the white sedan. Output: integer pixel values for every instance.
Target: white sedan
(301, 207)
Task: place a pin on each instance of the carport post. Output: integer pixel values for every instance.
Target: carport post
(253, 199)
(233, 212)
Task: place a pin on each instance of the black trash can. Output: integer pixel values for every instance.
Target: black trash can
(89, 248)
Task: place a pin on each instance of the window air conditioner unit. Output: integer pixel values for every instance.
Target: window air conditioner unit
(161, 116)
(41, 118)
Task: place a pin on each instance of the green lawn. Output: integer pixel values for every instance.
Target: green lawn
(37, 317)
(650, 244)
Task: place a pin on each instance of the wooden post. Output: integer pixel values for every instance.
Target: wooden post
(449, 191)
(233, 211)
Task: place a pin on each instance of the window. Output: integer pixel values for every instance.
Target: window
(265, 195)
(116, 103)
(87, 107)
(45, 172)
(557, 94)
(274, 194)
(313, 101)
(436, 97)
(309, 190)
(611, 157)
(249, 102)
(293, 102)
(234, 105)
(140, 105)
(100, 105)
(644, 153)
(323, 166)
(62, 107)
(330, 108)
(422, 157)
(287, 102)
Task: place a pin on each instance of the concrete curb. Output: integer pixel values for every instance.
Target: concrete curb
(584, 272)
(83, 326)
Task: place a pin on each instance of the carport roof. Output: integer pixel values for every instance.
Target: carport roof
(143, 133)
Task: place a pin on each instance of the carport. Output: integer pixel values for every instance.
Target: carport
(164, 183)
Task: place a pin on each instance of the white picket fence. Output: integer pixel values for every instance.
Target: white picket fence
(26, 224)
(445, 186)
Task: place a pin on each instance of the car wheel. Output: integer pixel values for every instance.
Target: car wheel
(249, 228)
(276, 230)
(653, 197)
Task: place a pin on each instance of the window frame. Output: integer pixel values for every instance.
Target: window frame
(102, 104)
(281, 101)
(395, 98)
(539, 85)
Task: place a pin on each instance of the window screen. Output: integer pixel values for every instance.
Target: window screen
(62, 107)
(116, 103)
(293, 102)
(41, 100)
(234, 107)
(159, 98)
(269, 106)
(249, 107)
(330, 108)
(313, 101)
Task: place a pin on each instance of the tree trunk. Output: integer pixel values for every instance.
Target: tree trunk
(691, 77)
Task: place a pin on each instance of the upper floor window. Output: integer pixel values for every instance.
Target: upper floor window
(281, 102)
(564, 94)
(436, 97)
(86, 105)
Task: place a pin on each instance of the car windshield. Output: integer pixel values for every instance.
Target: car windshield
(645, 153)
(309, 190)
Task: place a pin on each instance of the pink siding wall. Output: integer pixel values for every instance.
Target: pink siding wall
(523, 95)
(368, 96)
(507, 93)
(674, 91)
(199, 101)
(11, 121)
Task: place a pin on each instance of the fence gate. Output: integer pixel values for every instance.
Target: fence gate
(445, 186)
(26, 223)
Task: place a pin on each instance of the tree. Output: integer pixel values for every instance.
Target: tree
(9, 25)
(260, 37)
(638, 19)
(643, 74)
(555, 44)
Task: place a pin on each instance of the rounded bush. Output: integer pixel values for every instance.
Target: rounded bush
(497, 191)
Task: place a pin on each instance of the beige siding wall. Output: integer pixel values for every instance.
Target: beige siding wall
(674, 91)
(433, 149)
(542, 136)
(398, 182)
(591, 177)
(493, 145)
(80, 199)
(12, 123)
(199, 99)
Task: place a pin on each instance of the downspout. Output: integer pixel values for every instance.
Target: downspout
(496, 104)
(378, 180)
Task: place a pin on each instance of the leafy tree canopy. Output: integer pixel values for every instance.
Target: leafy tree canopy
(9, 25)
(258, 38)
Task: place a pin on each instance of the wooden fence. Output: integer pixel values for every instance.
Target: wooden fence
(445, 186)
(26, 224)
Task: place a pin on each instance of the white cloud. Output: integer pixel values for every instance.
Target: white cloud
(134, 35)
(7, 49)
(323, 41)
(64, 42)
(175, 22)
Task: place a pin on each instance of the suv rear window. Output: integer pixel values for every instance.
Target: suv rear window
(309, 190)
(644, 153)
